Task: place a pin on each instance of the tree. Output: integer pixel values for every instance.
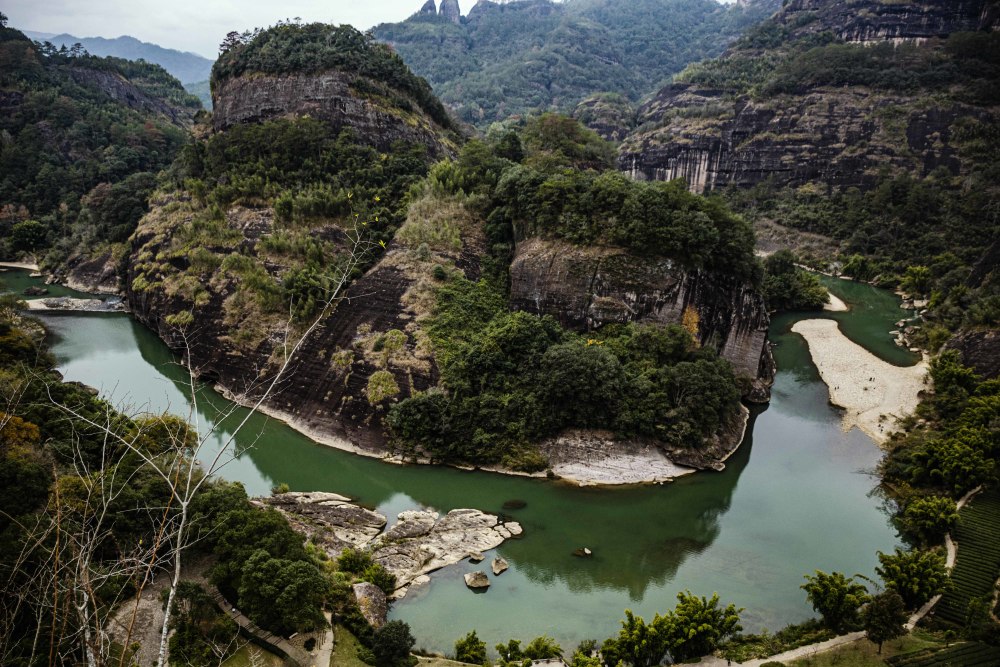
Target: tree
(471, 649)
(836, 598)
(283, 595)
(915, 575)
(543, 648)
(639, 644)
(699, 625)
(927, 519)
(28, 236)
(884, 617)
(392, 643)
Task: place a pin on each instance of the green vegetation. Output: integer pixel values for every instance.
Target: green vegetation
(884, 617)
(471, 649)
(967, 654)
(787, 287)
(536, 55)
(693, 629)
(743, 647)
(82, 182)
(836, 598)
(317, 47)
(916, 576)
(978, 564)
(959, 447)
(510, 379)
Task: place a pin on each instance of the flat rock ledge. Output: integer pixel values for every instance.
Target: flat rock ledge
(418, 543)
(67, 303)
(592, 457)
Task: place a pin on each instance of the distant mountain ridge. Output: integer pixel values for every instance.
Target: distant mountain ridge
(186, 66)
(506, 58)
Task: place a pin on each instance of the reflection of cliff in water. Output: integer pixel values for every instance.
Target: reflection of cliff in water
(640, 536)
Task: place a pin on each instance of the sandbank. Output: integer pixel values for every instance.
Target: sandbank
(835, 305)
(872, 392)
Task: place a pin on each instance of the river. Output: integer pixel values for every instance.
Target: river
(797, 496)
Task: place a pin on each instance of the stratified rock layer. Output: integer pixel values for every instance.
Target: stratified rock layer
(327, 96)
(586, 288)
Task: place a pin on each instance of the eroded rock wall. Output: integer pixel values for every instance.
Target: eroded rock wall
(586, 288)
(329, 96)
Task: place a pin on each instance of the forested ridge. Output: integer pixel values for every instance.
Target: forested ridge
(83, 140)
(536, 55)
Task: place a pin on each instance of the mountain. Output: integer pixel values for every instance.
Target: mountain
(871, 124)
(515, 57)
(187, 67)
(330, 166)
(83, 138)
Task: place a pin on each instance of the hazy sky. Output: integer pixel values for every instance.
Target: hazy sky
(195, 25)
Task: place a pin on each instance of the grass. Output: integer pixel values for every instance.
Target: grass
(864, 653)
(345, 649)
(436, 661)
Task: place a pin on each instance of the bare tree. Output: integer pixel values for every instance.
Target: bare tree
(178, 467)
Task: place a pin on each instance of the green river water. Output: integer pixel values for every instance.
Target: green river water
(797, 496)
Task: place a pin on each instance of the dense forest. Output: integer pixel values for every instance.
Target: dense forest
(78, 162)
(514, 58)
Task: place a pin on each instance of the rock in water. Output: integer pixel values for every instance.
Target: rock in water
(515, 504)
(583, 553)
(499, 565)
(477, 579)
(35, 290)
(476, 557)
(372, 603)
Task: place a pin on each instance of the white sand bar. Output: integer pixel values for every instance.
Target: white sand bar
(872, 392)
(835, 305)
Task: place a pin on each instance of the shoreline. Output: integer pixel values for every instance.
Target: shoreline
(570, 475)
(27, 266)
(873, 393)
(835, 305)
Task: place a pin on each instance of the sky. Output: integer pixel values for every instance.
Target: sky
(195, 25)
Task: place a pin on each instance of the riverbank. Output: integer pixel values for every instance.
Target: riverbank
(872, 392)
(27, 266)
(835, 305)
(581, 458)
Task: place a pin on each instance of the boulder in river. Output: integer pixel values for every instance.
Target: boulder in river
(477, 579)
(499, 565)
(35, 290)
(515, 504)
(583, 552)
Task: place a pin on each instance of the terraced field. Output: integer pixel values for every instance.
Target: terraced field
(978, 564)
(967, 654)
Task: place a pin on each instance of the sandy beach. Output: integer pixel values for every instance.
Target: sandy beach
(835, 305)
(872, 392)
(19, 265)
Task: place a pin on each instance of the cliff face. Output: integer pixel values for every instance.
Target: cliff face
(333, 97)
(746, 128)
(585, 288)
(125, 92)
(872, 21)
(841, 137)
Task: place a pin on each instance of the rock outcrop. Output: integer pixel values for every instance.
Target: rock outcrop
(451, 11)
(833, 135)
(585, 288)
(418, 543)
(980, 350)
(125, 92)
(372, 602)
(328, 96)
(428, 8)
(477, 580)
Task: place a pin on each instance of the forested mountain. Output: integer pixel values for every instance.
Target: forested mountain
(870, 123)
(531, 55)
(185, 66)
(83, 138)
(189, 68)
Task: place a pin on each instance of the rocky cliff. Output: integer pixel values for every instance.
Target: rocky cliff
(585, 288)
(123, 91)
(840, 137)
(792, 103)
(339, 98)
